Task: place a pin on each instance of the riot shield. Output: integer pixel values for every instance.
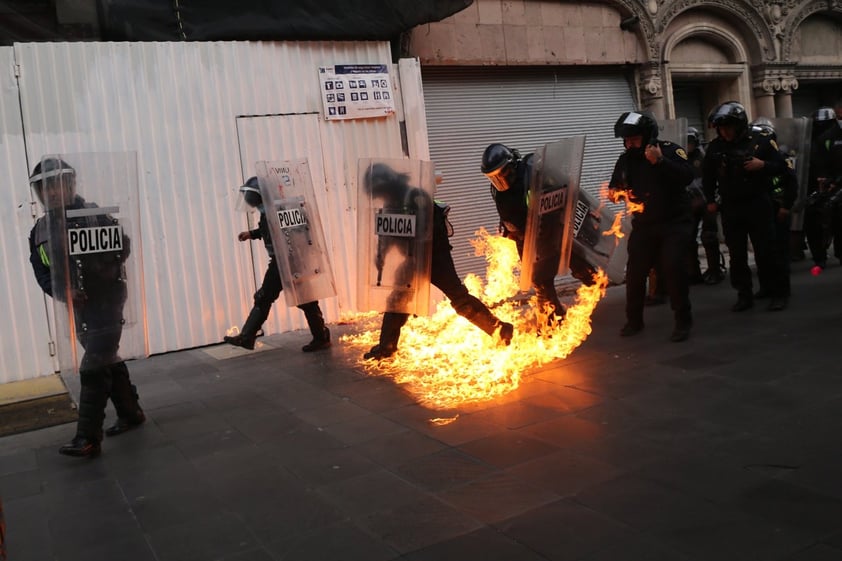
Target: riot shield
(394, 235)
(89, 237)
(592, 223)
(296, 229)
(794, 142)
(673, 130)
(553, 190)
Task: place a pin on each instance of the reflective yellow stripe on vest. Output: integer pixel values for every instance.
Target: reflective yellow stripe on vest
(45, 259)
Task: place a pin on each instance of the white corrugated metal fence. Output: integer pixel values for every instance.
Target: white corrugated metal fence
(198, 115)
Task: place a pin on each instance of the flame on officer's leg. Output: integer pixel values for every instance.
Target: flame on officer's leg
(445, 361)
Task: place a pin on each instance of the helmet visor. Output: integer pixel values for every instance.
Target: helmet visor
(499, 177)
(54, 186)
(249, 199)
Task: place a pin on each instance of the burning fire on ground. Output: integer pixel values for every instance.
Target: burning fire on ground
(445, 361)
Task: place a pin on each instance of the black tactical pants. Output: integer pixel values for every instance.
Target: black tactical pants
(102, 373)
(444, 277)
(818, 227)
(752, 220)
(267, 294)
(709, 236)
(543, 280)
(781, 252)
(663, 247)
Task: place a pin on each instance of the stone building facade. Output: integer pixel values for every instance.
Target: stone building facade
(780, 58)
(528, 72)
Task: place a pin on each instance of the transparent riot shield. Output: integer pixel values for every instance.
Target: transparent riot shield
(593, 240)
(794, 142)
(89, 237)
(297, 235)
(553, 190)
(673, 130)
(394, 235)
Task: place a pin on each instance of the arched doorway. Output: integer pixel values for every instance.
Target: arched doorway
(703, 65)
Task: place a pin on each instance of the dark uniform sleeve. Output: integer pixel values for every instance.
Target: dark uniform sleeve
(709, 173)
(675, 168)
(618, 176)
(790, 187)
(42, 271)
(773, 161)
(262, 228)
(820, 159)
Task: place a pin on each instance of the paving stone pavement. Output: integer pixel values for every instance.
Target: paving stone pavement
(722, 447)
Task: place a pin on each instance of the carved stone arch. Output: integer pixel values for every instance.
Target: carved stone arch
(628, 8)
(720, 36)
(729, 41)
(762, 37)
(797, 17)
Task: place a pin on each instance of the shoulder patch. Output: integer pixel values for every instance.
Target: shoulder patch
(773, 143)
(681, 153)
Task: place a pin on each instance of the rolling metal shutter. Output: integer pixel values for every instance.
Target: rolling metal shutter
(524, 108)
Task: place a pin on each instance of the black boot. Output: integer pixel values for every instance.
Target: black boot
(472, 309)
(251, 327)
(683, 323)
(125, 399)
(743, 303)
(390, 334)
(316, 323)
(93, 397)
(631, 328)
(716, 266)
(81, 447)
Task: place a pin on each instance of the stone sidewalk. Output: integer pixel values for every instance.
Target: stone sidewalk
(723, 447)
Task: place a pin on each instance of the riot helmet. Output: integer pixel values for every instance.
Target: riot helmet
(764, 126)
(250, 193)
(498, 165)
(54, 181)
(694, 136)
(823, 120)
(382, 181)
(632, 124)
(730, 113)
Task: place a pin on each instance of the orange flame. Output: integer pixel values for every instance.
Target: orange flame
(445, 361)
(618, 195)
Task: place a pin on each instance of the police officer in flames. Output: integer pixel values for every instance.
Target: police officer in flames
(655, 173)
(97, 298)
(740, 166)
(509, 174)
(271, 287)
(386, 184)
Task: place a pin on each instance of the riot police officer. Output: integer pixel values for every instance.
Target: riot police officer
(654, 173)
(828, 172)
(818, 226)
(99, 307)
(715, 272)
(386, 184)
(739, 167)
(784, 192)
(271, 287)
(509, 174)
